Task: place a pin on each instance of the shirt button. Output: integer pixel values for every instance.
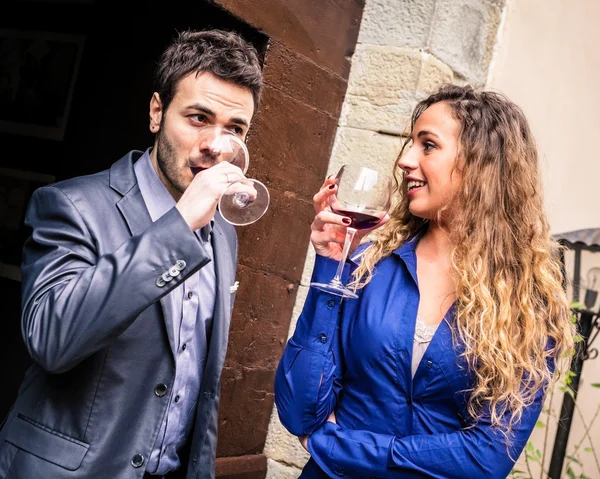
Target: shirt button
(190, 295)
(429, 364)
(177, 398)
(183, 348)
(137, 460)
(160, 390)
(330, 303)
(323, 338)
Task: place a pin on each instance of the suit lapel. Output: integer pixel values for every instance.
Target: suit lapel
(218, 341)
(136, 215)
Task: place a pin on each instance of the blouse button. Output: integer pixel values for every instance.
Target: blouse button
(323, 338)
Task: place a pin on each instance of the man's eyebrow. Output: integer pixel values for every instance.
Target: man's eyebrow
(238, 121)
(202, 108)
(207, 111)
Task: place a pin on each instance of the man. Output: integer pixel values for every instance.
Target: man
(128, 285)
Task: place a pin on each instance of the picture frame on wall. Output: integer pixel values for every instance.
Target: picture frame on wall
(38, 71)
(16, 188)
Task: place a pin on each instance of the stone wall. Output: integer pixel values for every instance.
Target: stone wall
(405, 50)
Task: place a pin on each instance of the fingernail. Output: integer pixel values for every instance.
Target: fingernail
(346, 221)
(331, 187)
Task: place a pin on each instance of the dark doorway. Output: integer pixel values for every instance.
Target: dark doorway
(107, 115)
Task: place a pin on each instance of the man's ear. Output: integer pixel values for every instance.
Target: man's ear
(156, 112)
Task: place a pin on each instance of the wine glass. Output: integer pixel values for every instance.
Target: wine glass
(364, 195)
(244, 201)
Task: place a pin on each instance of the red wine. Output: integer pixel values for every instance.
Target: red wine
(360, 221)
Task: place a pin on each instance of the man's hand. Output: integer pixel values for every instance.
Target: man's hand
(199, 201)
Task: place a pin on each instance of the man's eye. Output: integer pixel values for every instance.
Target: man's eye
(199, 118)
(237, 130)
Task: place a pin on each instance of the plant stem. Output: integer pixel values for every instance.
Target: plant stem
(546, 433)
(529, 466)
(587, 434)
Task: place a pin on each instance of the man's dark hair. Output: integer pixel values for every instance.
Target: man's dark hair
(224, 54)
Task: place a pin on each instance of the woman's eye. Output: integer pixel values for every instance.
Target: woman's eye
(428, 145)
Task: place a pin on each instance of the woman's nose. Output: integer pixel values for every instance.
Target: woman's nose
(407, 160)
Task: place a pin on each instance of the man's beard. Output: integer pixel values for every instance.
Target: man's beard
(167, 160)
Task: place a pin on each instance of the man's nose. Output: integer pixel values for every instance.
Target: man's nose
(212, 141)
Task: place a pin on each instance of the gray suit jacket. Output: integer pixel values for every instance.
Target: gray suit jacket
(93, 401)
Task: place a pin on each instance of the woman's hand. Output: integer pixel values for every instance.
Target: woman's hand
(328, 230)
(304, 439)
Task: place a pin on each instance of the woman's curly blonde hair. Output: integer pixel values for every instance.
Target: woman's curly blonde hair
(512, 314)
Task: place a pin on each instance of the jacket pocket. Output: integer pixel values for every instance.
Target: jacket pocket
(45, 443)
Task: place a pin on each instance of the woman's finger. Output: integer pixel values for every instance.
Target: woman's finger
(328, 236)
(327, 217)
(321, 197)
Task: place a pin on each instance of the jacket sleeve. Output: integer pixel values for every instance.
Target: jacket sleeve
(308, 377)
(477, 452)
(75, 301)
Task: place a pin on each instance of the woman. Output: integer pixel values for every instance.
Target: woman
(440, 367)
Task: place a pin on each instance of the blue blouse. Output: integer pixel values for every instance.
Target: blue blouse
(354, 358)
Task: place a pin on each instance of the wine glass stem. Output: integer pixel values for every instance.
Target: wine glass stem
(350, 232)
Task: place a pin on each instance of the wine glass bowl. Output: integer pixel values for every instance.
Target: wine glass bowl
(244, 201)
(363, 195)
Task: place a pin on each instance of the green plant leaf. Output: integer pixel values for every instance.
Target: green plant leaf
(596, 385)
(540, 424)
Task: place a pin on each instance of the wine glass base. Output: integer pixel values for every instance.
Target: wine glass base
(338, 290)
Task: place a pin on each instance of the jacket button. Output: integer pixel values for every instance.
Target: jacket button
(330, 303)
(160, 390)
(180, 264)
(323, 338)
(160, 282)
(137, 460)
(429, 364)
(339, 472)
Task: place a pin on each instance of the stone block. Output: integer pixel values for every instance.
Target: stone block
(260, 321)
(303, 80)
(378, 114)
(433, 74)
(283, 447)
(245, 409)
(463, 36)
(277, 243)
(324, 31)
(397, 22)
(366, 148)
(277, 470)
(383, 72)
(290, 143)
